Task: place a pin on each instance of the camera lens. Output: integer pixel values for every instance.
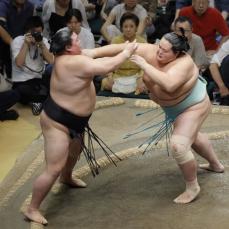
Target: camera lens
(37, 36)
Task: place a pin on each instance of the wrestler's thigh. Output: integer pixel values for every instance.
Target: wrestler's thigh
(189, 122)
(75, 147)
(56, 144)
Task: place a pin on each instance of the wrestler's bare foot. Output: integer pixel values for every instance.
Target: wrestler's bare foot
(191, 192)
(74, 183)
(219, 168)
(35, 216)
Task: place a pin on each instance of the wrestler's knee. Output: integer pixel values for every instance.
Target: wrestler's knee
(180, 148)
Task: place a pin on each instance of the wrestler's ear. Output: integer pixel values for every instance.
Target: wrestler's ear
(67, 47)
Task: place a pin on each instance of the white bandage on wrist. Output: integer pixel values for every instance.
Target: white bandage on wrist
(181, 149)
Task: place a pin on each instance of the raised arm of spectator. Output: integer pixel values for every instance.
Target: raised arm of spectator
(214, 69)
(47, 55)
(223, 6)
(180, 4)
(223, 39)
(200, 56)
(19, 52)
(141, 26)
(216, 61)
(103, 15)
(224, 14)
(4, 35)
(108, 22)
(3, 10)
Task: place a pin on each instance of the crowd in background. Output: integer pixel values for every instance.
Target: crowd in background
(27, 25)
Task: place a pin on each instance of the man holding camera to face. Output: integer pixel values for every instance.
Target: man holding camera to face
(30, 54)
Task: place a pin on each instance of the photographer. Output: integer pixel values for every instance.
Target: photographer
(30, 53)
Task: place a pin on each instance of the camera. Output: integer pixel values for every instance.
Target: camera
(37, 36)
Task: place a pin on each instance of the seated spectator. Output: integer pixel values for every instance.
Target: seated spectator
(73, 19)
(53, 14)
(18, 11)
(128, 77)
(109, 31)
(165, 12)
(29, 55)
(4, 36)
(197, 49)
(221, 5)
(150, 6)
(93, 9)
(5, 40)
(179, 5)
(219, 68)
(13, 16)
(108, 5)
(207, 23)
(8, 98)
(38, 5)
(90, 9)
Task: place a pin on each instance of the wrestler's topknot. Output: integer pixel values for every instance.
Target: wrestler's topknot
(179, 43)
(60, 40)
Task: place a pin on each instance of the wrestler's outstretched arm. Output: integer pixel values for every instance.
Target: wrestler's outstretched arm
(113, 49)
(87, 66)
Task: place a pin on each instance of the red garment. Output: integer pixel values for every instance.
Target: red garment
(207, 26)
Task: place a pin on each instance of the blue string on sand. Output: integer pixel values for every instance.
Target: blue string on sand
(164, 129)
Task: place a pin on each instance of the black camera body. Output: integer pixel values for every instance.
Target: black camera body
(37, 36)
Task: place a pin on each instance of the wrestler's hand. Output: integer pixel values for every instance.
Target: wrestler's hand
(141, 87)
(223, 90)
(140, 61)
(130, 48)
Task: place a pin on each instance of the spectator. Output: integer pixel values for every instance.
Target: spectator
(201, 15)
(221, 5)
(12, 11)
(90, 9)
(38, 5)
(162, 22)
(19, 11)
(219, 68)
(53, 14)
(73, 19)
(128, 77)
(150, 6)
(109, 31)
(29, 53)
(108, 5)
(8, 98)
(5, 59)
(197, 49)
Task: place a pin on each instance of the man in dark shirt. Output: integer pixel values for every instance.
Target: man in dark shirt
(13, 16)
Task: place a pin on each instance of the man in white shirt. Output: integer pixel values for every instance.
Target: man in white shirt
(219, 68)
(60, 7)
(30, 53)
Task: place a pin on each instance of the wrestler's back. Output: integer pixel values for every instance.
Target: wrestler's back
(163, 97)
(70, 89)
